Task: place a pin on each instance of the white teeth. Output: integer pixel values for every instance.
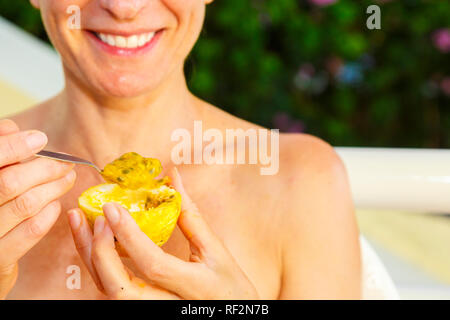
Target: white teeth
(150, 36)
(131, 42)
(142, 40)
(111, 40)
(121, 42)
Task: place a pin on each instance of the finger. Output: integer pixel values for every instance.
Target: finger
(150, 292)
(20, 146)
(110, 269)
(8, 126)
(31, 202)
(16, 179)
(8, 277)
(22, 238)
(191, 222)
(120, 282)
(161, 268)
(82, 236)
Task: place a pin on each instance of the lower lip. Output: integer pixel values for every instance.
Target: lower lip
(126, 51)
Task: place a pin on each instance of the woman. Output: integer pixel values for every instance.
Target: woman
(241, 235)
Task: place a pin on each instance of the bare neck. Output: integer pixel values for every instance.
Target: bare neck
(101, 128)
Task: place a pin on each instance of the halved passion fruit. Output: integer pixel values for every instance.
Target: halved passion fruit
(132, 183)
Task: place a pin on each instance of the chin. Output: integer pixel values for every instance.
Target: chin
(124, 91)
(126, 86)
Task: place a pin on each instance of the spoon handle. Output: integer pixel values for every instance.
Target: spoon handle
(66, 158)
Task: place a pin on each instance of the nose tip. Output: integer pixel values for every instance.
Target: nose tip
(123, 9)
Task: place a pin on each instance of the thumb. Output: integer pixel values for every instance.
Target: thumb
(187, 205)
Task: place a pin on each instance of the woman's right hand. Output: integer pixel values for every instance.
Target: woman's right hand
(29, 192)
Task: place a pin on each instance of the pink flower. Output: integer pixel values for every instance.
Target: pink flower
(441, 39)
(322, 3)
(285, 123)
(334, 65)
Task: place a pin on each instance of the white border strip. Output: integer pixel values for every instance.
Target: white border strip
(28, 63)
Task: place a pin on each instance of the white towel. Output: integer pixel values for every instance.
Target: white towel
(376, 282)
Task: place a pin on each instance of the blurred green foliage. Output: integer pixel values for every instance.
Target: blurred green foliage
(302, 67)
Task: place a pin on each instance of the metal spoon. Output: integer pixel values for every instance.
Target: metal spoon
(66, 158)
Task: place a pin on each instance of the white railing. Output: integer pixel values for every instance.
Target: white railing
(415, 180)
(404, 179)
(28, 63)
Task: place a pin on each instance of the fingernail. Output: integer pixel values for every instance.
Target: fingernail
(111, 213)
(74, 219)
(36, 140)
(99, 225)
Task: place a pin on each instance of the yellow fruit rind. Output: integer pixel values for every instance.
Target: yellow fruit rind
(156, 211)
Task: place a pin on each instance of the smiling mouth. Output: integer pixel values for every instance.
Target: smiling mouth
(130, 42)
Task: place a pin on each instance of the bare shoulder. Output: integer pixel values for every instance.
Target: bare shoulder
(318, 222)
(314, 177)
(304, 154)
(220, 119)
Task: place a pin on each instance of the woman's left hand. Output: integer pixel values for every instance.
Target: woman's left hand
(211, 273)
